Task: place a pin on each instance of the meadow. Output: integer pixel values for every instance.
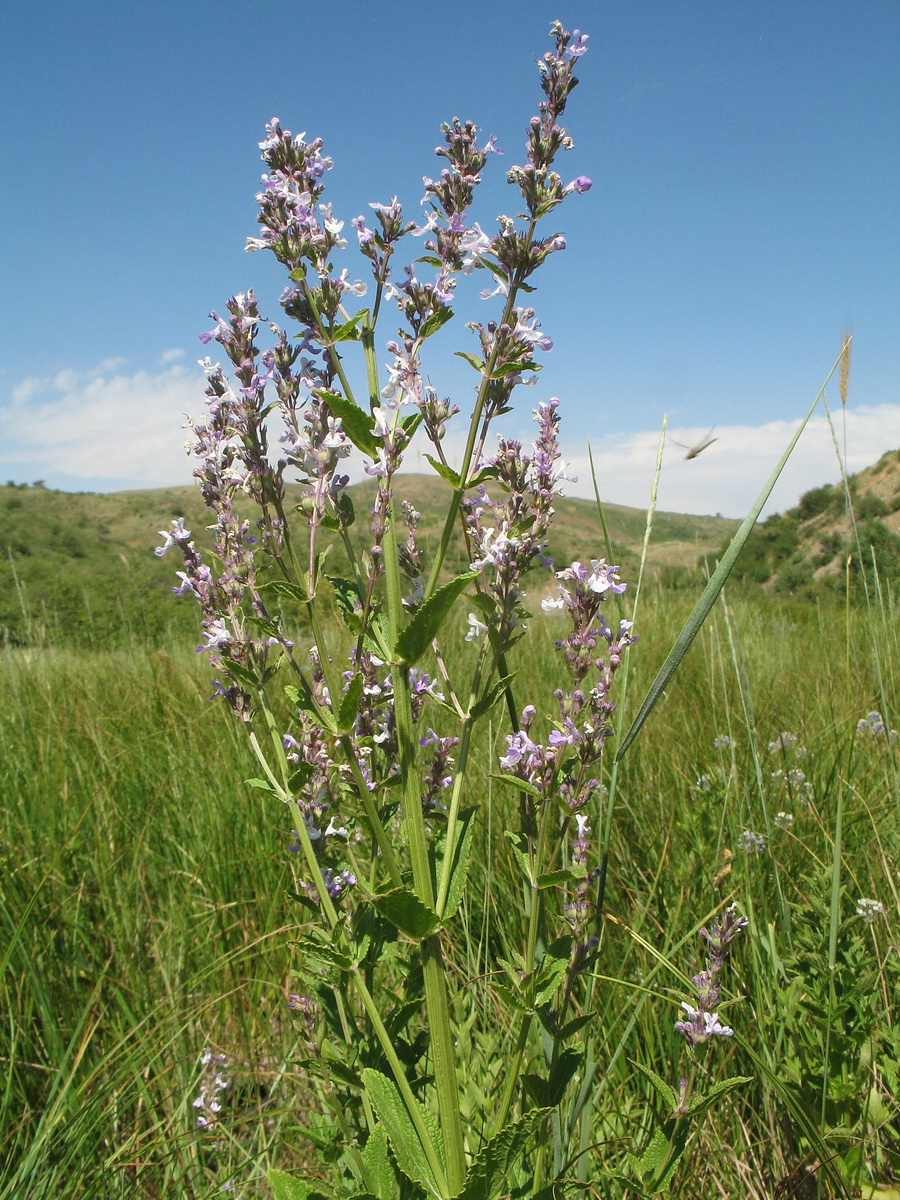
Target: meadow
(149, 908)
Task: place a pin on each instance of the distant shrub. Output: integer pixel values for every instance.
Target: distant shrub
(794, 576)
(815, 502)
(871, 505)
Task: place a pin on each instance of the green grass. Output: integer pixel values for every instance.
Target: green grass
(144, 896)
(78, 570)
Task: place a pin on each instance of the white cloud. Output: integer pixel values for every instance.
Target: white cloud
(170, 356)
(107, 428)
(728, 476)
(101, 425)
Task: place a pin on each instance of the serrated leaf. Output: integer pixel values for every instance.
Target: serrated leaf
(415, 639)
(484, 603)
(404, 909)
(508, 996)
(716, 1092)
(511, 368)
(460, 868)
(521, 785)
(487, 702)
(243, 675)
(355, 422)
(349, 706)
(519, 843)
(492, 1165)
(348, 331)
(410, 424)
(660, 1159)
(287, 1187)
(284, 587)
(263, 785)
(434, 322)
(572, 1027)
(665, 1092)
(562, 1189)
(446, 472)
(264, 625)
(432, 260)
(549, 977)
(378, 1165)
(552, 878)
(300, 777)
(472, 359)
(413, 1157)
(481, 476)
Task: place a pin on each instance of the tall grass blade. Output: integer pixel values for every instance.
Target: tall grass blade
(716, 582)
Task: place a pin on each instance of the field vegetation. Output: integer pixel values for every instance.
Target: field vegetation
(147, 900)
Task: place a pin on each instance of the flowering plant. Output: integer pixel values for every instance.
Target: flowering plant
(372, 758)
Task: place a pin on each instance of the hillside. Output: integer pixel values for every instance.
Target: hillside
(79, 567)
(806, 550)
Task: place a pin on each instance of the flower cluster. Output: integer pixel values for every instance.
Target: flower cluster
(703, 1021)
(869, 910)
(873, 723)
(212, 1084)
(751, 842)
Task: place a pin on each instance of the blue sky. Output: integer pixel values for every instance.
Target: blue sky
(746, 167)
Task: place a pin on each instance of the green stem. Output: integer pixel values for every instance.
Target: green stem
(534, 916)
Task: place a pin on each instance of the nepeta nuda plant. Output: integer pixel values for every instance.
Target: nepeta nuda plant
(372, 759)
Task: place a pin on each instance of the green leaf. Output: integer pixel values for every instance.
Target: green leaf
(460, 868)
(263, 785)
(550, 976)
(284, 587)
(243, 675)
(404, 909)
(488, 1174)
(305, 702)
(713, 588)
(415, 639)
(349, 706)
(411, 423)
(549, 1092)
(434, 322)
(413, 1157)
(552, 878)
(716, 1092)
(472, 359)
(481, 476)
(446, 473)
(663, 1090)
(521, 785)
(512, 368)
(571, 1027)
(348, 331)
(287, 1187)
(356, 423)
(519, 843)
(490, 698)
(659, 1160)
(562, 1189)
(378, 1165)
(300, 777)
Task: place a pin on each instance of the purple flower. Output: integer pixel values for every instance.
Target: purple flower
(176, 536)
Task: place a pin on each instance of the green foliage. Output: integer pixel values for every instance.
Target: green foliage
(817, 501)
(871, 505)
(146, 894)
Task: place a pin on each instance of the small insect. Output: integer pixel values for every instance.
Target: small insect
(693, 451)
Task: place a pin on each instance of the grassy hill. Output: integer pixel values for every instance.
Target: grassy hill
(806, 550)
(79, 567)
